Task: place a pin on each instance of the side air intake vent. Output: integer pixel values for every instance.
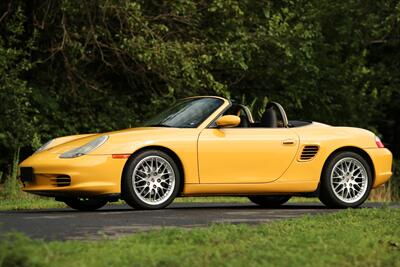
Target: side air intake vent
(309, 152)
(61, 180)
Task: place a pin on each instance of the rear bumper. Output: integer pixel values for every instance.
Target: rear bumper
(382, 160)
(89, 175)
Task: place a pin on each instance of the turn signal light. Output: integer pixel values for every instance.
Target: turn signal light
(120, 156)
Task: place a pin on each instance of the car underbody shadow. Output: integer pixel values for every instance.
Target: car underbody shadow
(194, 207)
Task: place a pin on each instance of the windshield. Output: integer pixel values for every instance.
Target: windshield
(186, 113)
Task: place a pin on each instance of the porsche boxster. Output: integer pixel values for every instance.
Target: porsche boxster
(208, 146)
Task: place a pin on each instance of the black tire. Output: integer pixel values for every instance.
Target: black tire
(269, 201)
(85, 204)
(326, 192)
(133, 198)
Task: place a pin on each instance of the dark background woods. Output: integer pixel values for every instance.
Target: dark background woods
(69, 67)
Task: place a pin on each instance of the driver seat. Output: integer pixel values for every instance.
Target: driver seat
(269, 118)
(244, 122)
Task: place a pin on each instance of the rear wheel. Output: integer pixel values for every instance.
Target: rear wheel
(85, 204)
(269, 201)
(151, 180)
(346, 181)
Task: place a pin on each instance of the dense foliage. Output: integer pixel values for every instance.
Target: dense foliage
(71, 67)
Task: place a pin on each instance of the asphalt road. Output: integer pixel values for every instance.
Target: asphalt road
(116, 220)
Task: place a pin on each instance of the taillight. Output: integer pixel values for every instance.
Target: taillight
(379, 142)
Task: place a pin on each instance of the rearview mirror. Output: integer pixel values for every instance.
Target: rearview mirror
(228, 121)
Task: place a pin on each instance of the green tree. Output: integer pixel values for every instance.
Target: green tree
(16, 128)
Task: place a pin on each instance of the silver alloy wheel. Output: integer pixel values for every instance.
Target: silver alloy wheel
(349, 180)
(153, 180)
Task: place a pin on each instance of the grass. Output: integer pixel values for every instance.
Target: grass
(363, 237)
(30, 202)
(387, 192)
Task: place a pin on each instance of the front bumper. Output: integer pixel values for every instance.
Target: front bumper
(85, 176)
(382, 160)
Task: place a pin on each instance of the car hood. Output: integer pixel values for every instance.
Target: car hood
(120, 140)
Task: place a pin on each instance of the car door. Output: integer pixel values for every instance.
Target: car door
(245, 155)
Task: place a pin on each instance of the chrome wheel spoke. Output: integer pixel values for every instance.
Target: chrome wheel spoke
(161, 169)
(144, 188)
(139, 178)
(163, 184)
(352, 194)
(337, 186)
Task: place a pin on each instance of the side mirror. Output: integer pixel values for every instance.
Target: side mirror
(228, 121)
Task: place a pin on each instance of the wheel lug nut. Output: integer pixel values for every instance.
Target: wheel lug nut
(158, 180)
(148, 183)
(154, 186)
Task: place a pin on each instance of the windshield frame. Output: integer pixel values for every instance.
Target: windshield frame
(205, 121)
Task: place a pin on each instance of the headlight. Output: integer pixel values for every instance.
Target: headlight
(83, 150)
(44, 147)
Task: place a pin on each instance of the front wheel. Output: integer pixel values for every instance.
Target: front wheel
(346, 181)
(151, 180)
(269, 201)
(85, 204)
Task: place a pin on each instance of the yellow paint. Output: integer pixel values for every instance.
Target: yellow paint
(216, 161)
(90, 174)
(382, 165)
(228, 121)
(245, 155)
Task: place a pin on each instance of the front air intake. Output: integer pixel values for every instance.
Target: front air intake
(61, 180)
(309, 152)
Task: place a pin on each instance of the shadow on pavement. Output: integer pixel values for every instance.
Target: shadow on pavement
(191, 207)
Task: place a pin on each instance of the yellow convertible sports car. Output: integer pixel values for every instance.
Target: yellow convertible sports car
(207, 146)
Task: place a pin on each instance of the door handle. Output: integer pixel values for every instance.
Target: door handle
(288, 142)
